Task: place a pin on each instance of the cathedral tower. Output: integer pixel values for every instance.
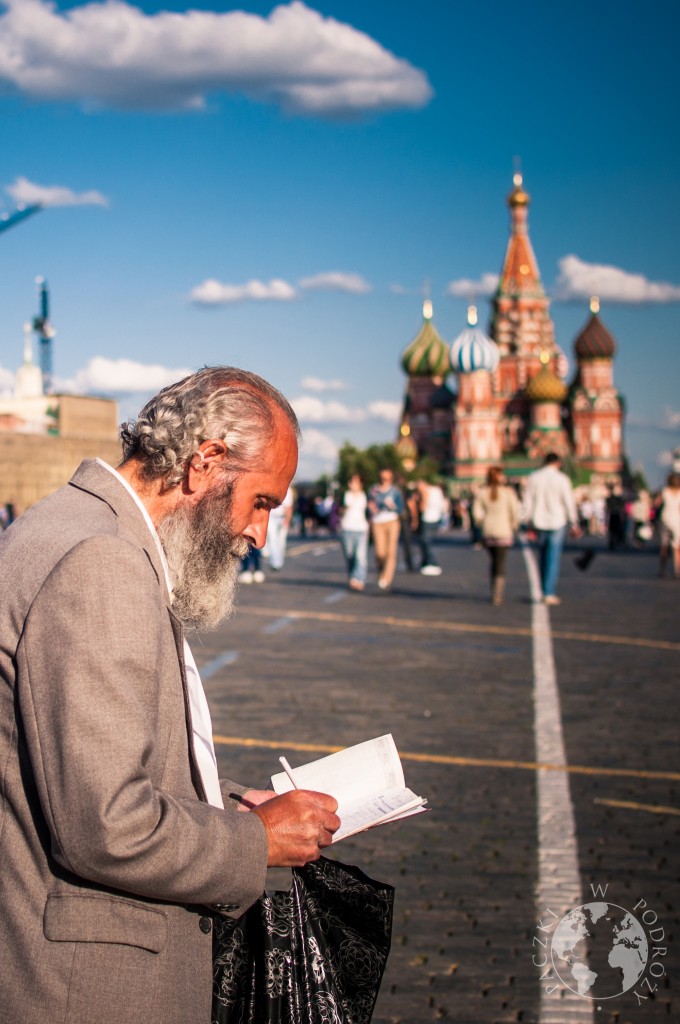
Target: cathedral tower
(427, 416)
(596, 406)
(476, 437)
(520, 323)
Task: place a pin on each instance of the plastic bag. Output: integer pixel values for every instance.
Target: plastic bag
(313, 955)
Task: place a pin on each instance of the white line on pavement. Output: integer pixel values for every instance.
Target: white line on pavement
(278, 624)
(335, 595)
(227, 658)
(558, 888)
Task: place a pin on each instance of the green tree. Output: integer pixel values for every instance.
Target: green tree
(367, 462)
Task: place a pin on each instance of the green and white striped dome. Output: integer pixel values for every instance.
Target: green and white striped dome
(428, 354)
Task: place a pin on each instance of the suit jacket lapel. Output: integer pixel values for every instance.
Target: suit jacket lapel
(98, 481)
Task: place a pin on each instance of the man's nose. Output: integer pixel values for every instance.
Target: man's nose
(256, 532)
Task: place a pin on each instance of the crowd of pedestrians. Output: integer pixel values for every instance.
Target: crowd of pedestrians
(393, 523)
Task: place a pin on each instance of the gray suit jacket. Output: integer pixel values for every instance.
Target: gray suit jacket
(109, 853)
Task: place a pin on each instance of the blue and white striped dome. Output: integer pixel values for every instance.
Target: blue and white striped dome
(472, 350)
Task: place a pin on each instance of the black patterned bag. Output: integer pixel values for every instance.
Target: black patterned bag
(312, 955)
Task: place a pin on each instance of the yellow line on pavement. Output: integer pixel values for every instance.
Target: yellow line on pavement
(467, 762)
(457, 627)
(302, 549)
(632, 806)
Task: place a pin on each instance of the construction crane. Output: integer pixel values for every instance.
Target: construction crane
(8, 220)
(43, 328)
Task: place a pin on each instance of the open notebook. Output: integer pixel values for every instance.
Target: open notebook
(367, 780)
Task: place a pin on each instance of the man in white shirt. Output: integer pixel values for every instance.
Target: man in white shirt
(549, 507)
(118, 840)
(277, 532)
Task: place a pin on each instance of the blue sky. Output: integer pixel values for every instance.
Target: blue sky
(273, 188)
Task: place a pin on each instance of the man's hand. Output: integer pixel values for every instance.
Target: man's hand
(299, 824)
(255, 797)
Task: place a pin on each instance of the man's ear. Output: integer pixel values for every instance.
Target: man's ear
(206, 458)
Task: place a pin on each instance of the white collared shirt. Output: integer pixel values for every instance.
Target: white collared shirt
(549, 499)
(204, 749)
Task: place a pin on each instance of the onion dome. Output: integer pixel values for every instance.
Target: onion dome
(472, 350)
(427, 355)
(407, 449)
(546, 385)
(594, 341)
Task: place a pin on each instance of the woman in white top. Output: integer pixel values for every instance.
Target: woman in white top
(354, 531)
(669, 522)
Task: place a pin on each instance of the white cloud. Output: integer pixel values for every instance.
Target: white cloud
(316, 384)
(336, 281)
(113, 54)
(215, 293)
(115, 376)
(387, 411)
(313, 410)
(310, 409)
(579, 280)
(26, 193)
(465, 288)
(316, 444)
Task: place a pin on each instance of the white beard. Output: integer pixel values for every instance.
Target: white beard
(204, 557)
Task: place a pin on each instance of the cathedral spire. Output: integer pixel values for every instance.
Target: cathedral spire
(520, 276)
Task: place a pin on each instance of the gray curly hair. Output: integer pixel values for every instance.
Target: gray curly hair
(217, 401)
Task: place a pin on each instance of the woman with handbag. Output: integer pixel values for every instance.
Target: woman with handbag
(497, 511)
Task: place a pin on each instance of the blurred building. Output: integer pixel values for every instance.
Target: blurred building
(43, 438)
(513, 403)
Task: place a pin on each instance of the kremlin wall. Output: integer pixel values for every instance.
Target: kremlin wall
(44, 438)
(512, 404)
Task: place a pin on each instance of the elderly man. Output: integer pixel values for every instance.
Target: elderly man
(118, 841)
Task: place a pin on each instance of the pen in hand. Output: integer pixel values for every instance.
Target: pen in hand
(289, 771)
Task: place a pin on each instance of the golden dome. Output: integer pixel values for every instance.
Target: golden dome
(546, 387)
(518, 197)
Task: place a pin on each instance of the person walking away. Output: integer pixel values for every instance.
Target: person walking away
(385, 504)
(409, 522)
(432, 507)
(616, 518)
(550, 508)
(354, 531)
(277, 533)
(498, 512)
(669, 525)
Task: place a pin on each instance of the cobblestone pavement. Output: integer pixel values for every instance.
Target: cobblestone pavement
(304, 661)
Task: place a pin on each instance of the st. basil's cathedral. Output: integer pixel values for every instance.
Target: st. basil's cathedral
(513, 405)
